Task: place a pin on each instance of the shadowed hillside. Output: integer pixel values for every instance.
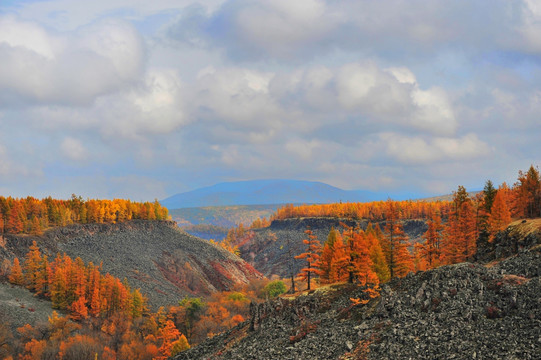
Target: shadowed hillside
(165, 262)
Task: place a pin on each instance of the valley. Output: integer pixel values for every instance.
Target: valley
(371, 279)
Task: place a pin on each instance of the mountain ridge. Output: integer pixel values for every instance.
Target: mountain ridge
(267, 191)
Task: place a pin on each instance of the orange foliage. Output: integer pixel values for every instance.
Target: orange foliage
(32, 216)
(375, 211)
(311, 256)
(16, 276)
(500, 216)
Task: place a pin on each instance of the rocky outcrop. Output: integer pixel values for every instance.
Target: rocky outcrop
(462, 311)
(518, 237)
(165, 262)
(272, 249)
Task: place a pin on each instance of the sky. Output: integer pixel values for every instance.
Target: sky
(146, 99)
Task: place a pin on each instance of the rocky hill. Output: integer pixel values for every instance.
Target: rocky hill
(272, 249)
(483, 310)
(165, 262)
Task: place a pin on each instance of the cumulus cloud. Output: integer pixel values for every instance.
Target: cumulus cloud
(154, 106)
(237, 103)
(255, 29)
(40, 66)
(307, 28)
(234, 95)
(355, 93)
(417, 150)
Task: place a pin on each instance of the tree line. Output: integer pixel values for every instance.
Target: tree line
(373, 256)
(32, 216)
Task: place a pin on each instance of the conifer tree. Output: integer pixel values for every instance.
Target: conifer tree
(489, 193)
(500, 215)
(528, 194)
(16, 276)
(79, 310)
(311, 256)
(395, 245)
(377, 256)
(33, 267)
(430, 250)
(326, 258)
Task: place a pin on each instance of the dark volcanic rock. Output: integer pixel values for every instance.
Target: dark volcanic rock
(165, 262)
(519, 235)
(462, 311)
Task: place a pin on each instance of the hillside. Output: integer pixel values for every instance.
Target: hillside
(258, 192)
(462, 311)
(165, 262)
(271, 250)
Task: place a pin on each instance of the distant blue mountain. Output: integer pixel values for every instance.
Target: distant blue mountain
(261, 192)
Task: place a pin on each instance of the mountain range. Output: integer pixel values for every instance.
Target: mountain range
(268, 191)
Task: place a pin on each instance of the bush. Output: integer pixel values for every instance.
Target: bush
(275, 288)
(236, 296)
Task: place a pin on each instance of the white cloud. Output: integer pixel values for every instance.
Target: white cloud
(235, 96)
(279, 27)
(73, 149)
(66, 68)
(153, 107)
(433, 111)
(417, 150)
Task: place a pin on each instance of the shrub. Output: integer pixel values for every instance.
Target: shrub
(275, 288)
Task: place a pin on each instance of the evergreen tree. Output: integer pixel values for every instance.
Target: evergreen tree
(489, 193)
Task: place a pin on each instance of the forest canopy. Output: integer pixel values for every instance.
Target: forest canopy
(31, 216)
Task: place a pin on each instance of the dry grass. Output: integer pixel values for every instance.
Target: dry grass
(526, 227)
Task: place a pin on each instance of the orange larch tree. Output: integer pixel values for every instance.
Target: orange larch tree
(500, 216)
(16, 277)
(395, 245)
(375, 238)
(527, 191)
(430, 250)
(326, 258)
(311, 256)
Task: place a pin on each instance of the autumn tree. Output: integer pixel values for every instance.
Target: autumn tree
(500, 216)
(395, 246)
(168, 335)
(528, 193)
(461, 230)
(16, 276)
(326, 258)
(375, 238)
(180, 345)
(79, 310)
(311, 256)
(35, 269)
(430, 250)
